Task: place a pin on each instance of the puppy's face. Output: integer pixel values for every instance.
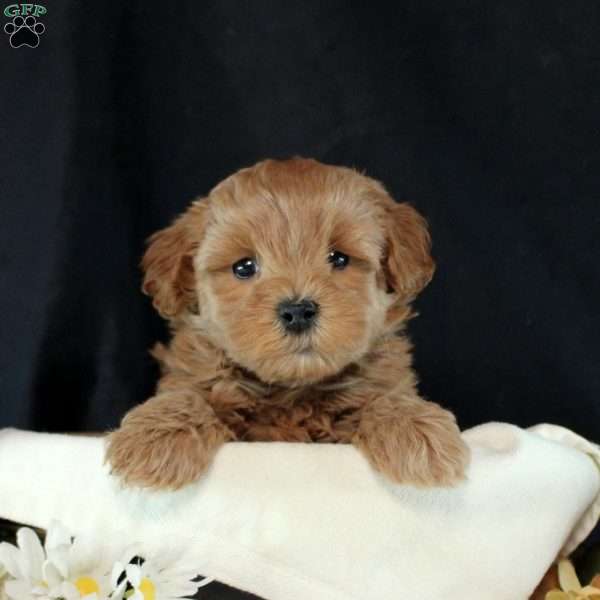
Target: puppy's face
(294, 268)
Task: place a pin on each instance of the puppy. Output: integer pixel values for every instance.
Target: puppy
(287, 290)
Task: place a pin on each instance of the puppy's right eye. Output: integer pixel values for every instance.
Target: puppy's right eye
(244, 268)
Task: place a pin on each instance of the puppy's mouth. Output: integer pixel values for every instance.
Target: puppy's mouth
(303, 346)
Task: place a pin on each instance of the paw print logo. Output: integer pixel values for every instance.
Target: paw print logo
(24, 31)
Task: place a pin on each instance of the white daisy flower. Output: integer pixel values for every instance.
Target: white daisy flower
(167, 578)
(24, 563)
(68, 568)
(81, 570)
(63, 568)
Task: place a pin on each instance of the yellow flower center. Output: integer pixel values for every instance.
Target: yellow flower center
(147, 588)
(87, 585)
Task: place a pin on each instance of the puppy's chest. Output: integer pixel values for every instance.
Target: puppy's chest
(291, 416)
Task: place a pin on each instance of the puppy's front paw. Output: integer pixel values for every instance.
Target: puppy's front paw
(163, 459)
(423, 449)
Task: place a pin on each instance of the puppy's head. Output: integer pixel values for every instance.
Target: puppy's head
(293, 267)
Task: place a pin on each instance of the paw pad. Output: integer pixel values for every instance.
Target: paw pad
(24, 31)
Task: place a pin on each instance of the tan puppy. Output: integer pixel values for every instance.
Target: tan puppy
(287, 289)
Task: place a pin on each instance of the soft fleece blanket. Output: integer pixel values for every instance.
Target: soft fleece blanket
(299, 521)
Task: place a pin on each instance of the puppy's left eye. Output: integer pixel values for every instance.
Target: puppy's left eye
(338, 260)
(244, 268)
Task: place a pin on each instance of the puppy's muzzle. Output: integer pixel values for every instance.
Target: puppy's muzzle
(297, 316)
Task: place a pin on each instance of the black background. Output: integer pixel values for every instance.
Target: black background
(484, 115)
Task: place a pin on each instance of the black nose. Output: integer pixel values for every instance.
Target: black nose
(297, 315)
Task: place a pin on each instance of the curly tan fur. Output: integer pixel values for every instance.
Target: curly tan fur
(231, 372)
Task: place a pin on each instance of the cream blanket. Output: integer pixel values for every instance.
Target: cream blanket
(301, 521)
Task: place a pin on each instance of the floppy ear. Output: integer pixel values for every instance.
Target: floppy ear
(408, 265)
(168, 262)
